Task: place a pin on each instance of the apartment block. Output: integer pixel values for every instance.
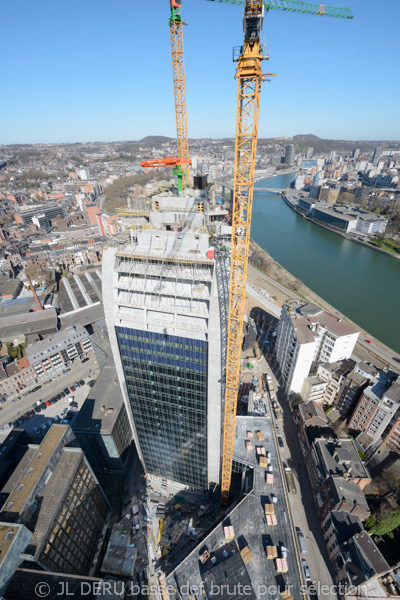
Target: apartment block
(376, 408)
(392, 439)
(91, 211)
(43, 360)
(337, 475)
(308, 336)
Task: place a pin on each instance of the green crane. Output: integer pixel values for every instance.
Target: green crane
(306, 8)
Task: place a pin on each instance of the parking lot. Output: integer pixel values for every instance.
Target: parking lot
(22, 413)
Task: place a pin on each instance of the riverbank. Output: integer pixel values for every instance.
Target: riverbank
(347, 236)
(281, 286)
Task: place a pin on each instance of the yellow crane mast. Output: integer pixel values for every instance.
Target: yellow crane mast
(249, 78)
(176, 24)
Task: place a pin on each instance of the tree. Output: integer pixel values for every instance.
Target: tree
(383, 523)
(389, 480)
(379, 241)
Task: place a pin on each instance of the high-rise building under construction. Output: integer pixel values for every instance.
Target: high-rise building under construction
(163, 315)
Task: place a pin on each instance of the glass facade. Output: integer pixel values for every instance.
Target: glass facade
(166, 378)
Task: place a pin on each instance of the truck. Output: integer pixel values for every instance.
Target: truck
(290, 481)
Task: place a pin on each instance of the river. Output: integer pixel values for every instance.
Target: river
(360, 282)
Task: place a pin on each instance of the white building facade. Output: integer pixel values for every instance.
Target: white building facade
(308, 336)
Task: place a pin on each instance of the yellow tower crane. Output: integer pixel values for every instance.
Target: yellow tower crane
(250, 77)
(176, 24)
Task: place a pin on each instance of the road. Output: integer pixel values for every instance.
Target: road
(51, 411)
(363, 349)
(11, 410)
(302, 503)
(264, 302)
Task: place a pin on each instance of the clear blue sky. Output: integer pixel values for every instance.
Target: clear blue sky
(94, 70)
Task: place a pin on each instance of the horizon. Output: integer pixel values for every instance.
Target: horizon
(132, 141)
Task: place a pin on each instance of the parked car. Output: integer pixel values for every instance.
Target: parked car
(302, 542)
(85, 360)
(280, 442)
(66, 371)
(74, 404)
(72, 388)
(368, 341)
(37, 388)
(37, 409)
(76, 384)
(81, 382)
(283, 552)
(25, 395)
(306, 570)
(66, 391)
(6, 426)
(64, 412)
(36, 430)
(91, 383)
(48, 403)
(69, 399)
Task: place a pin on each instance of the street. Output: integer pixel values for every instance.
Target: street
(13, 410)
(302, 503)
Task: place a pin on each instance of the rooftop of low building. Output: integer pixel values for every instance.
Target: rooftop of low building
(341, 458)
(104, 401)
(342, 490)
(364, 560)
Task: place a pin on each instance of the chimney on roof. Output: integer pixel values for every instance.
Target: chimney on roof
(40, 307)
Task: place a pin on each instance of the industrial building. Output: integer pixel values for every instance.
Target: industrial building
(161, 302)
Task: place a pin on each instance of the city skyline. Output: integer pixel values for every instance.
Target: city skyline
(64, 86)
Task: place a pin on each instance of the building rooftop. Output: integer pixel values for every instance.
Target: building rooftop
(247, 520)
(103, 403)
(54, 493)
(55, 343)
(83, 316)
(393, 392)
(312, 410)
(340, 489)
(20, 305)
(8, 533)
(29, 323)
(79, 290)
(332, 324)
(340, 458)
(15, 503)
(364, 559)
(24, 584)
(120, 556)
(345, 524)
(186, 246)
